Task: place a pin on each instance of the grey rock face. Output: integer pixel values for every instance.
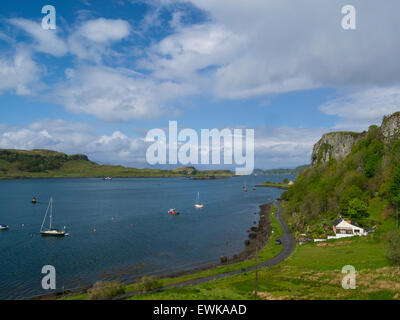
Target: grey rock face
(336, 145)
(390, 128)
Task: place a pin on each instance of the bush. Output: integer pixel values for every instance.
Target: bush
(357, 209)
(392, 247)
(106, 290)
(149, 283)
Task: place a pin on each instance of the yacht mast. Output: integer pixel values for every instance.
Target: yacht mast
(51, 210)
(44, 219)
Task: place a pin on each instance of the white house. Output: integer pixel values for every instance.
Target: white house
(345, 228)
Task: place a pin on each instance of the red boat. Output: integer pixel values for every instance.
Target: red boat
(173, 212)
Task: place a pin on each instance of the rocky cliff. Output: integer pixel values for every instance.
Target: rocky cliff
(390, 128)
(338, 145)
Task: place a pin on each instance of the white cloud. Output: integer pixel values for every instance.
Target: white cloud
(280, 147)
(359, 109)
(258, 48)
(104, 30)
(19, 73)
(46, 41)
(70, 138)
(115, 94)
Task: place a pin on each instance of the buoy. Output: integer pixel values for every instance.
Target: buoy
(23, 225)
(112, 218)
(94, 230)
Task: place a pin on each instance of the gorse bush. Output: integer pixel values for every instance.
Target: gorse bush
(147, 284)
(106, 290)
(392, 247)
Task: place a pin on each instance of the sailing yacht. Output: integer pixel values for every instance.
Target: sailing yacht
(198, 204)
(51, 231)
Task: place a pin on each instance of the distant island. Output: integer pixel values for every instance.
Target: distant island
(41, 163)
(296, 170)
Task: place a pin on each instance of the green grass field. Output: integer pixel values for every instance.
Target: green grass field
(312, 272)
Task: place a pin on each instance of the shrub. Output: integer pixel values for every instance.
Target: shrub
(106, 290)
(149, 283)
(357, 209)
(392, 247)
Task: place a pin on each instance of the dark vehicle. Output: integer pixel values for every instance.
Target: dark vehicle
(278, 241)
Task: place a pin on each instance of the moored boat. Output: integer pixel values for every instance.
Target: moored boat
(3, 226)
(198, 204)
(51, 231)
(174, 212)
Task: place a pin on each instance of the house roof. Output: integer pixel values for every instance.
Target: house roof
(337, 221)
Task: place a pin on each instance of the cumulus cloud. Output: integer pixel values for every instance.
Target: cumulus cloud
(277, 147)
(46, 41)
(69, 137)
(91, 40)
(116, 94)
(19, 72)
(357, 110)
(105, 30)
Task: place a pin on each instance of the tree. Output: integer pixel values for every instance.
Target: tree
(285, 181)
(392, 247)
(394, 192)
(357, 209)
(350, 193)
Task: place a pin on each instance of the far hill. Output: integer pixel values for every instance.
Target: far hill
(41, 163)
(296, 170)
(354, 175)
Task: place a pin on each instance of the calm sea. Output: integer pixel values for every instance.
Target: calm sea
(121, 228)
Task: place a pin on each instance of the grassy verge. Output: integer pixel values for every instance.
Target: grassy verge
(279, 185)
(268, 251)
(313, 271)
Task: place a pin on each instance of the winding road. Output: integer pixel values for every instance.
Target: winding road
(287, 243)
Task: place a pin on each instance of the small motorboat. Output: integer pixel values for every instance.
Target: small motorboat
(107, 178)
(3, 226)
(173, 212)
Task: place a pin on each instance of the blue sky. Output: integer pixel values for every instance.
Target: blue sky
(114, 69)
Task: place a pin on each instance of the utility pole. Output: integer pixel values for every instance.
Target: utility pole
(226, 250)
(256, 283)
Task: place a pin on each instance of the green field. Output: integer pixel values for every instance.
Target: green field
(312, 272)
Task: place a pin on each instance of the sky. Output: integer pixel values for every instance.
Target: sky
(112, 70)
